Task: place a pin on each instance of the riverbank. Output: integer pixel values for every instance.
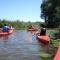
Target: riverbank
(51, 49)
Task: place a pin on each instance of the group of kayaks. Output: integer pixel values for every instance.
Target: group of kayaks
(7, 33)
(45, 39)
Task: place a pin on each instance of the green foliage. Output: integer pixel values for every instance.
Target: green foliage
(18, 24)
(54, 43)
(50, 11)
(43, 54)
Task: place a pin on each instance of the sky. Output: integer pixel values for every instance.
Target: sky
(23, 10)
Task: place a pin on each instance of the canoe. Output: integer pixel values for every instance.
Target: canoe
(6, 33)
(32, 29)
(44, 39)
(57, 56)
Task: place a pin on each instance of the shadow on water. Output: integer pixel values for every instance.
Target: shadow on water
(21, 45)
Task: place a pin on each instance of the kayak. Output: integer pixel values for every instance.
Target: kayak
(6, 33)
(32, 29)
(44, 39)
(57, 56)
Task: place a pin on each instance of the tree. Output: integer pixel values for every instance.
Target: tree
(50, 12)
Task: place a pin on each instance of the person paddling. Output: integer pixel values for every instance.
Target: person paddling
(5, 28)
(43, 30)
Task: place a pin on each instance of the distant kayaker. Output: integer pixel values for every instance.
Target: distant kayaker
(5, 28)
(31, 27)
(42, 30)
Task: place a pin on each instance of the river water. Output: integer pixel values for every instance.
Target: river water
(21, 45)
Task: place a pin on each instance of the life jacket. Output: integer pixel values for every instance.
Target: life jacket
(5, 29)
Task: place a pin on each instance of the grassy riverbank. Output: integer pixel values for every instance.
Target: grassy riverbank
(19, 24)
(51, 49)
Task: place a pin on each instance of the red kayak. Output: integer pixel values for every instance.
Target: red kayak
(57, 56)
(44, 39)
(6, 33)
(32, 29)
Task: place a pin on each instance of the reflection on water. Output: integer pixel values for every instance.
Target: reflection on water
(21, 45)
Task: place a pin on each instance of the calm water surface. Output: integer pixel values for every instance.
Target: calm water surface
(21, 45)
